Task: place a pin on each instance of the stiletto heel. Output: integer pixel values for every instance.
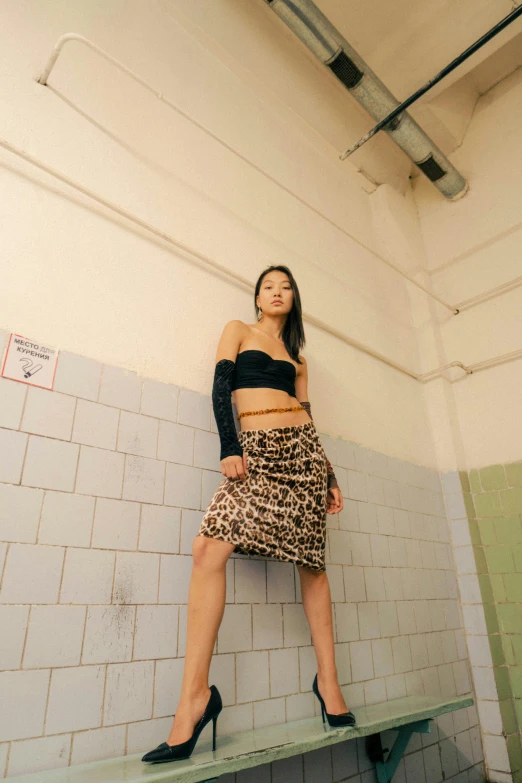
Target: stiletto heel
(322, 713)
(214, 732)
(183, 750)
(343, 719)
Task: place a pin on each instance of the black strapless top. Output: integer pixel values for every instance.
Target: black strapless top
(256, 369)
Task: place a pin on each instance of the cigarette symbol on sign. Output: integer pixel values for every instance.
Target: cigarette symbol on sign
(29, 367)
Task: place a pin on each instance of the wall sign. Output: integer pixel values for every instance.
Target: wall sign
(30, 362)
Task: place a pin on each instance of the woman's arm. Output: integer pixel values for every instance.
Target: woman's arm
(301, 391)
(227, 351)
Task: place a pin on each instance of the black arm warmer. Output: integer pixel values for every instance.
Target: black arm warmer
(222, 403)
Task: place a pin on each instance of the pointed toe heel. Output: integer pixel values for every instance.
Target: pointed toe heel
(183, 750)
(343, 719)
(156, 754)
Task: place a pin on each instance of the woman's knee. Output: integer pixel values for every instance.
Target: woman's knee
(210, 552)
(312, 575)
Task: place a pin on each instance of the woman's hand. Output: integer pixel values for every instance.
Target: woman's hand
(334, 501)
(235, 467)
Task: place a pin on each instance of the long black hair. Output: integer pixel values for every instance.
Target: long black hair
(293, 331)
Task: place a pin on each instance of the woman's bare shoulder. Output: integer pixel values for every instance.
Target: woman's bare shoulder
(235, 327)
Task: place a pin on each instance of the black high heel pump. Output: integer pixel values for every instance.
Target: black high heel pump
(183, 750)
(343, 719)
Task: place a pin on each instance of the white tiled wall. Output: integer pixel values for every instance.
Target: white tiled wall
(103, 483)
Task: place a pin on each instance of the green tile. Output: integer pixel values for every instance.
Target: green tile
(474, 482)
(514, 752)
(515, 675)
(488, 504)
(517, 557)
(514, 474)
(518, 711)
(469, 504)
(496, 645)
(507, 647)
(511, 501)
(474, 532)
(498, 588)
(513, 584)
(464, 481)
(502, 681)
(490, 613)
(509, 618)
(480, 560)
(516, 641)
(514, 741)
(487, 531)
(499, 559)
(508, 530)
(486, 590)
(493, 477)
(509, 718)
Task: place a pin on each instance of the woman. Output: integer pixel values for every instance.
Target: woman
(273, 501)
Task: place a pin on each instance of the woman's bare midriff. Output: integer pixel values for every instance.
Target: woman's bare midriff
(259, 399)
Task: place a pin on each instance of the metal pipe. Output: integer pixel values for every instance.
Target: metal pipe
(312, 27)
(436, 79)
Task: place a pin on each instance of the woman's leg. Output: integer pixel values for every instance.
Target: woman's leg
(317, 603)
(206, 605)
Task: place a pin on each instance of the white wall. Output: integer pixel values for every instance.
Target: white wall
(84, 282)
(103, 483)
(473, 246)
(78, 279)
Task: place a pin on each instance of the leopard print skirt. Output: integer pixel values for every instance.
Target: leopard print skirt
(279, 510)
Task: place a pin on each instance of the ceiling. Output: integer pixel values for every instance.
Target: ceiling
(406, 43)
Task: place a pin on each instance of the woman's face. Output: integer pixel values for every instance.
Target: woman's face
(275, 293)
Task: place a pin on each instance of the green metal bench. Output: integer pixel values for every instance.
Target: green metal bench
(407, 716)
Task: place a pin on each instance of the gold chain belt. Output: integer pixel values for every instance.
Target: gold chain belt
(271, 410)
